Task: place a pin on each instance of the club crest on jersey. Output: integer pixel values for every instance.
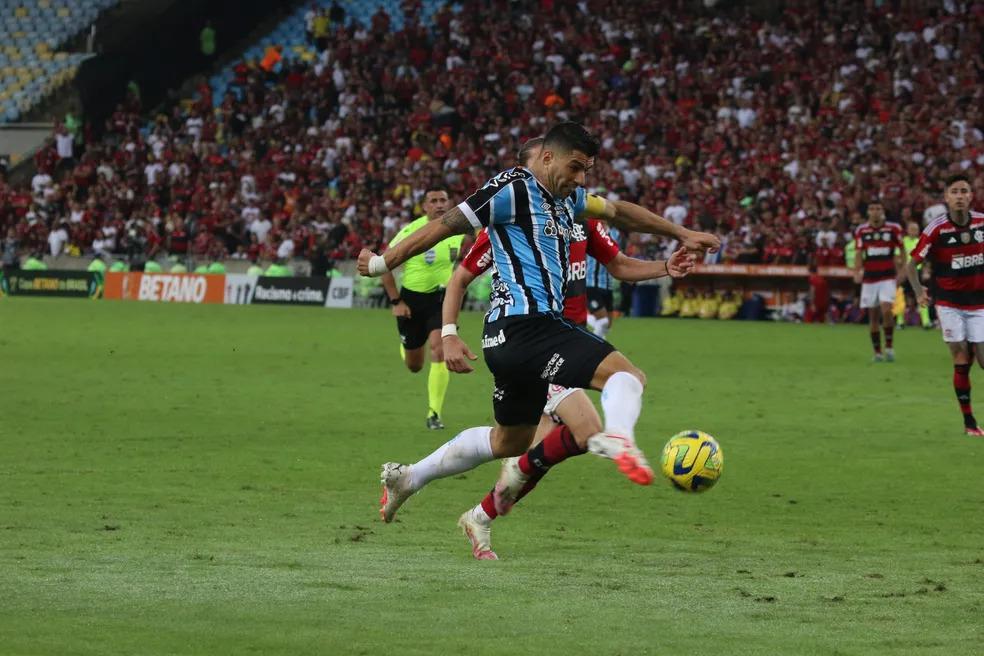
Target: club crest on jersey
(886, 236)
(500, 293)
(979, 236)
(577, 232)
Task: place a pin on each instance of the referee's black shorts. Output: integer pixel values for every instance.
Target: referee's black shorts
(425, 316)
(526, 354)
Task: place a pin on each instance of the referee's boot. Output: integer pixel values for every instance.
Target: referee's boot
(434, 422)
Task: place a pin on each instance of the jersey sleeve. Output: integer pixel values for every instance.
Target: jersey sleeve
(924, 246)
(400, 236)
(479, 257)
(495, 203)
(594, 205)
(600, 244)
(587, 204)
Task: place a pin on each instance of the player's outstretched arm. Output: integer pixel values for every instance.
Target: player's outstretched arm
(635, 218)
(456, 352)
(454, 222)
(630, 269)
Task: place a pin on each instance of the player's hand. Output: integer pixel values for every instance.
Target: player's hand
(681, 263)
(700, 241)
(364, 256)
(457, 355)
(401, 309)
(922, 298)
(858, 277)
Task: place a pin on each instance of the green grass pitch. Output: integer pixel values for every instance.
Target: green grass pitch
(204, 480)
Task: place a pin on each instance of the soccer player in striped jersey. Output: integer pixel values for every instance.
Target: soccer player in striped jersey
(569, 418)
(877, 266)
(527, 343)
(599, 284)
(954, 246)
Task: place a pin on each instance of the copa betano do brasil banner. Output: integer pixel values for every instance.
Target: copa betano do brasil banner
(70, 284)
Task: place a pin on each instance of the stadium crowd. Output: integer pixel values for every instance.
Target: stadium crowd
(319, 156)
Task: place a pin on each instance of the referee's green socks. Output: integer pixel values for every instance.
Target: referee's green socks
(437, 387)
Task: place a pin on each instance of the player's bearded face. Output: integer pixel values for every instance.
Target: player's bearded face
(567, 171)
(876, 213)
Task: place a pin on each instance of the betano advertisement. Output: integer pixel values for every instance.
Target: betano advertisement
(165, 287)
(231, 289)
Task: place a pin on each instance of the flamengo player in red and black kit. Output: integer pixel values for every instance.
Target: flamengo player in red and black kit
(569, 418)
(954, 245)
(878, 265)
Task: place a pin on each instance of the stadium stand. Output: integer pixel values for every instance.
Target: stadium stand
(32, 66)
(315, 145)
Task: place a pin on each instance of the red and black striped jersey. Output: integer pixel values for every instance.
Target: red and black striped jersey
(957, 256)
(876, 247)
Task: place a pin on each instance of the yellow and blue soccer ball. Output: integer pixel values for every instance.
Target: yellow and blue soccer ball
(692, 461)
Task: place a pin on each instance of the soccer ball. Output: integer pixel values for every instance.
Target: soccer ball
(692, 461)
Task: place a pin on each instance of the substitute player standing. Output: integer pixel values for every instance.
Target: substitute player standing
(877, 266)
(417, 306)
(954, 245)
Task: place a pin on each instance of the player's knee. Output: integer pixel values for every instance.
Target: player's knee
(414, 366)
(638, 373)
(437, 354)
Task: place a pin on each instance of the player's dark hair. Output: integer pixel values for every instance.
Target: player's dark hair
(954, 179)
(435, 189)
(569, 136)
(526, 152)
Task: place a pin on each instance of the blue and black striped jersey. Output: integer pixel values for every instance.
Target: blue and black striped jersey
(530, 233)
(598, 276)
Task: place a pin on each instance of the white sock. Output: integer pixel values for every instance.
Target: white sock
(601, 326)
(621, 399)
(592, 323)
(478, 512)
(467, 450)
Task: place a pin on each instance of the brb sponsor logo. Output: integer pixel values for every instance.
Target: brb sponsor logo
(577, 271)
(879, 251)
(966, 261)
(172, 289)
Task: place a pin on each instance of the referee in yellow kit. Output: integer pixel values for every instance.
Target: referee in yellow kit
(417, 306)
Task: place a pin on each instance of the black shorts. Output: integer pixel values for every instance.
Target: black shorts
(425, 316)
(599, 299)
(526, 354)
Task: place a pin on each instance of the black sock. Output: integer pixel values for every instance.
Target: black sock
(876, 340)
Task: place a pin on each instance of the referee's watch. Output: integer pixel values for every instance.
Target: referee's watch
(395, 301)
